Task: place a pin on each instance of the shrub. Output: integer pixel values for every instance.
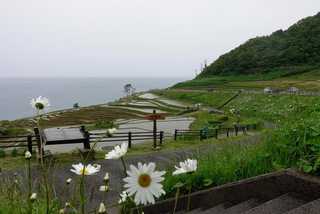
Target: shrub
(104, 124)
(2, 153)
(14, 152)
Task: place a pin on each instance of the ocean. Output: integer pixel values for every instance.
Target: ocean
(16, 93)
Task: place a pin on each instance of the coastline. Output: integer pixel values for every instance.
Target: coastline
(63, 93)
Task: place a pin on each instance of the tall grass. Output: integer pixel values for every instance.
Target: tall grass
(230, 162)
(14, 198)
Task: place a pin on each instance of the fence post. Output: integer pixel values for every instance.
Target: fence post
(201, 135)
(86, 142)
(227, 132)
(175, 134)
(29, 145)
(161, 137)
(216, 133)
(129, 139)
(236, 129)
(244, 131)
(154, 131)
(37, 134)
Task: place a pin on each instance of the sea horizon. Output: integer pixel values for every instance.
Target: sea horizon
(63, 92)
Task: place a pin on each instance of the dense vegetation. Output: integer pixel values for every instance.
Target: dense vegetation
(292, 142)
(292, 51)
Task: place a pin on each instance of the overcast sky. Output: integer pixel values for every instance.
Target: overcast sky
(136, 38)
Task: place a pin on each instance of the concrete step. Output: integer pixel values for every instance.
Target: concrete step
(244, 206)
(195, 211)
(312, 207)
(278, 205)
(219, 209)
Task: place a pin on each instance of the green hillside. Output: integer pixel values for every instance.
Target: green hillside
(293, 51)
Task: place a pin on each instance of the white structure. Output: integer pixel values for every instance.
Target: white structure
(267, 90)
(293, 90)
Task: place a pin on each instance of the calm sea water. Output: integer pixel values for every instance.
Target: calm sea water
(15, 94)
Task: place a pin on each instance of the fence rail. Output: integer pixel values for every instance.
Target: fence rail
(209, 133)
(30, 141)
(128, 136)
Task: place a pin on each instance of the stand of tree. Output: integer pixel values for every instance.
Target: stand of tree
(293, 51)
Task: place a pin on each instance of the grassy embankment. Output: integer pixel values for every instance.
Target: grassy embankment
(308, 81)
(294, 142)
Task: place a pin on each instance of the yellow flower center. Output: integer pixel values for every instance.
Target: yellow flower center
(144, 180)
(84, 171)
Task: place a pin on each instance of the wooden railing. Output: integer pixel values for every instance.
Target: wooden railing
(210, 133)
(128, 137)
(21, 141)
(30, 141)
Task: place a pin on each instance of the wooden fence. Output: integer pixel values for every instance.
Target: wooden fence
(21, 141)
(129, 137)
(30, 141)
(210, 133)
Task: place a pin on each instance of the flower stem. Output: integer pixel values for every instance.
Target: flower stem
(43, 167)
(189, 198)
(140, 210)
(124, 166)
(176, 200)
(47, 193)
(82, 193)
(29, 187)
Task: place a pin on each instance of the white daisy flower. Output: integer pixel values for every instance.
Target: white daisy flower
(123, 197)
(117, 152)
(27, 155)
(186, 166)
(40, 103)
(144, 183)
(111, 131)
(33, 197)
(103, 188)
(69, 180)
(106, 177)
(232, 111)
(102, 209)
(89, 169)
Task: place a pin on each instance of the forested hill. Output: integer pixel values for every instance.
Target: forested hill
(294, 50)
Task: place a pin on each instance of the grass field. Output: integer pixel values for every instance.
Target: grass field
(307, 80)
(293, 143)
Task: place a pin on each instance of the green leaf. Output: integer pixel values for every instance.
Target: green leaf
(178, 185)
(207, 182)
(307, 168)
